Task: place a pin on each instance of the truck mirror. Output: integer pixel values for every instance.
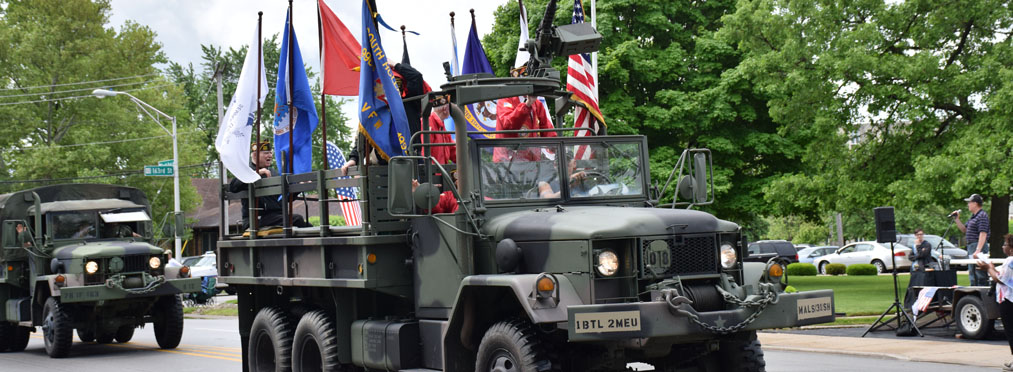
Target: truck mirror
(700, 171)
(685, 187)
(400, 173)
(426, 196)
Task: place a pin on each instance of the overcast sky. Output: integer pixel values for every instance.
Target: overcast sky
(183, 25)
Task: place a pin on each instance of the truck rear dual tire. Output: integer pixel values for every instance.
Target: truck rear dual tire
(315, 344)
(270, 343)
(13, 337)
(57, 330)
(168, 322)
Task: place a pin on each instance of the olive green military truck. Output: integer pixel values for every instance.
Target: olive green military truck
(558, 256)
(80, 257)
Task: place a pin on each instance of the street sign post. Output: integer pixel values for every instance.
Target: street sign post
(158, 170)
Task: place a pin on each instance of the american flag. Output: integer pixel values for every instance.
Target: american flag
(924, 299)
(581, 82)
(350, 209)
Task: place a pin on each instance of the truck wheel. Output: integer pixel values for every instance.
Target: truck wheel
(169, 322)
(85, 336)
(511, 346)
(270, 344)
(971, 318)
(742, 352)
(315, 345)
(104, 338)
(124, 334)
(19, 340)
(57, 331)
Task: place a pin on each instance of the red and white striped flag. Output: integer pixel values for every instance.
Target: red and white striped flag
(350, 209)
(581, 81)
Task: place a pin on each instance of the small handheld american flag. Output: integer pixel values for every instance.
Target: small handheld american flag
(350, 209)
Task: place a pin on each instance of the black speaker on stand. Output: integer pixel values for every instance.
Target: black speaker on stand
(886, 232)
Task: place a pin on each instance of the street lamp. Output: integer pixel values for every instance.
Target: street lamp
(101, 93)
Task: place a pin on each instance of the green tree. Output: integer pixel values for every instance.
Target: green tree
(52, 55)
(665, 74)
(903, 103)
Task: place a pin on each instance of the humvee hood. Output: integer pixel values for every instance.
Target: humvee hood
(105, 249)
(569, 223)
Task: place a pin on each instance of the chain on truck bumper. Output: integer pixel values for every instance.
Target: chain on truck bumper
(114, 289)
(670, 317)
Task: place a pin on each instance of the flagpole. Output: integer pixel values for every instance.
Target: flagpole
(254, 224)
(291, 112)
(323, 97)
(594, 55)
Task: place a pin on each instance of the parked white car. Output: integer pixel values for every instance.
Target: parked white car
(869, 252)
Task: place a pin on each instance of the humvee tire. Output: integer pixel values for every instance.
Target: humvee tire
(315, 344)
(124, 334)
(270, 344)
(85, 336)
(511, 345)
(742, 352)
(168, 321)
(57, 330)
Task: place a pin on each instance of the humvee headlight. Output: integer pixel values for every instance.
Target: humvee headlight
(727, 256)
(155, 262)
(91, 267)
(608, 263)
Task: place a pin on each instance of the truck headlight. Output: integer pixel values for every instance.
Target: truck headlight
(608, 263)
(155, 262)
(728, 257)
(91, 267)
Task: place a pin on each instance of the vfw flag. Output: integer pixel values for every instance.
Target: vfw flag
(233, 141)
(382, 117)
(305, 120)
(350, 208)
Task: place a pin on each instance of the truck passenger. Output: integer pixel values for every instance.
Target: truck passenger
(517, 113)
(269, 206)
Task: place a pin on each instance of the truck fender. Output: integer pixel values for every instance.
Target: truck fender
(504, 296)
(991, 307)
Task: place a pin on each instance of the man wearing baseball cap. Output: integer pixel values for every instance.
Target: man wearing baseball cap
(976, 231)
(261, 158)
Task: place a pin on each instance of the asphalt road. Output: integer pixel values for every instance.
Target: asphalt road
(213, 345)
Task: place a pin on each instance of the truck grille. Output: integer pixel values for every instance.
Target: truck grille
(134, 263)
(689, 255)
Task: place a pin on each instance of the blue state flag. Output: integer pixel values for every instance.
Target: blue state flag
(382, 117)
(481, 116)
(305, 119)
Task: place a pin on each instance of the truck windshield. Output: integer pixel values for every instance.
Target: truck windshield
(99, 225)
(74, 225)
(529, 171)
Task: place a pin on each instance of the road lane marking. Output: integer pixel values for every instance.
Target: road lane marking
(177, 352)
(214, 347)
(216, 330)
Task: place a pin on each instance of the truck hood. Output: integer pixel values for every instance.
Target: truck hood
(105, 249)
(577, 223)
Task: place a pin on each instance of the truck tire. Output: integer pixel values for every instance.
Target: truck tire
(6, 331)
(511, 346)
(270, 344)
(104, 338)
(124, 334)
(57, 330)
(85, 336)
(19, 339)
(315, 345)
(972, 321)
(168, 321)
(742, 352)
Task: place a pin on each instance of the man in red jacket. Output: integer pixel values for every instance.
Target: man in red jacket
(443, 154)
(516, 113)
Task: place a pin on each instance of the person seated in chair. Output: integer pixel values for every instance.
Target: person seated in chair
(270, 207)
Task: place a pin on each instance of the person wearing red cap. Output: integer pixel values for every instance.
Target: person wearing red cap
(976, 231)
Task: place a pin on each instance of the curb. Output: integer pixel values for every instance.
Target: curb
(841, 352)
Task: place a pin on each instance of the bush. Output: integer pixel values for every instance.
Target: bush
(800, 269)
(835, 269)
(862, 269)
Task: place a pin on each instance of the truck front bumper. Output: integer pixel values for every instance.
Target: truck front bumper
(110, 291)
(613, 322)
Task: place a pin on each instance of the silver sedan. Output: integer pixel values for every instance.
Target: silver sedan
(868, 252)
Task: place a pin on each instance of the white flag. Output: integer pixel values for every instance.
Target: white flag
(233, 141)
(522, 57)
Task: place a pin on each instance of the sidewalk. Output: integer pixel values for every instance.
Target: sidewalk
(913, 349)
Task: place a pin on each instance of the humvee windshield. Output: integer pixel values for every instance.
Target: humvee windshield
(513, 170)
(122, 223)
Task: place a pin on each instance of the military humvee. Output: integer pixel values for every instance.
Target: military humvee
(80, 257)
(558, 257)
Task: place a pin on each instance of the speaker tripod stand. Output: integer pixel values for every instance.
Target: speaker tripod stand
(896, 306)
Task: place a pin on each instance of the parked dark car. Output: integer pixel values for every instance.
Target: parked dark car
(764, 250)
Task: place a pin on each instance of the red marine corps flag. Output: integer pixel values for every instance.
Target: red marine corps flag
(339, 57)
(580, 81)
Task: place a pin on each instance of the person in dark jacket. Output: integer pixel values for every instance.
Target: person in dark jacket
(269, 212)
(922, 250)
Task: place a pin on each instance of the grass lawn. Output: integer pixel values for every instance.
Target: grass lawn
(859, 295)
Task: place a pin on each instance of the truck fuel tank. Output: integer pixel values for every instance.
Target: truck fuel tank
(386, 345)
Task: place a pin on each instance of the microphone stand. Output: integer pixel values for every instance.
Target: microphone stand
(896, 304)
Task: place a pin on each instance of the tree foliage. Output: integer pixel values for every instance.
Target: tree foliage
(665, 74)
(902, 103)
